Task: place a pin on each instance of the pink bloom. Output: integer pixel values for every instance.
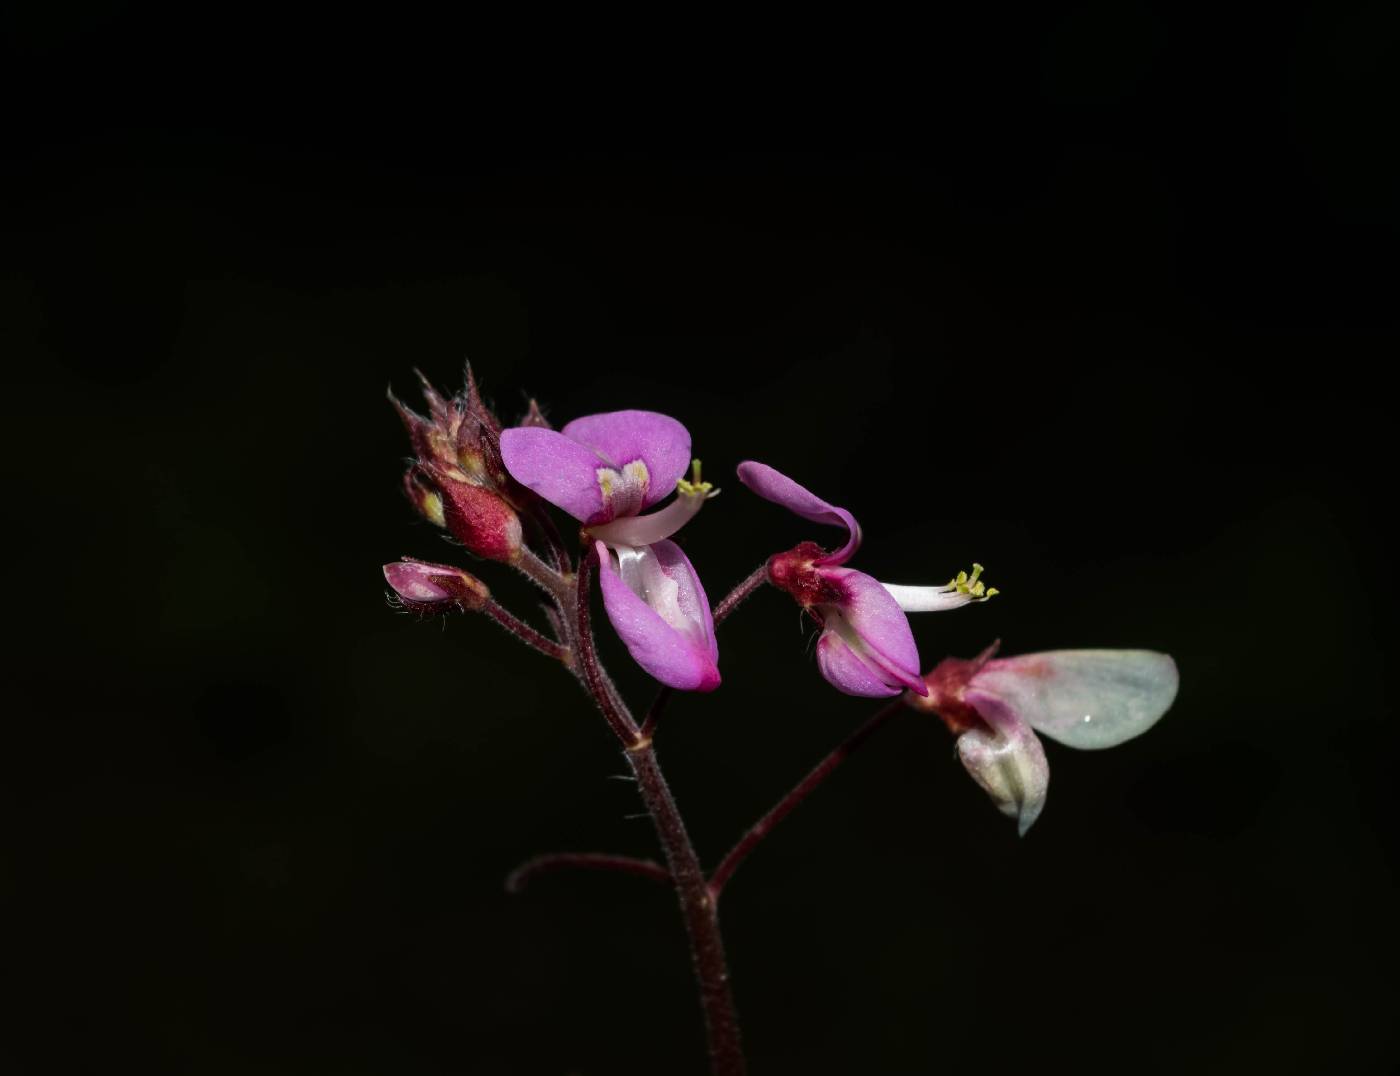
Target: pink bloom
(1089, 699)
(604, 470)
(866, 646)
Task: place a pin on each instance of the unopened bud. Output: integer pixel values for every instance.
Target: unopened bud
(535, 417)
(454, 433)
(477, 517)
(433, 589)
(423, 497)
(474, 405)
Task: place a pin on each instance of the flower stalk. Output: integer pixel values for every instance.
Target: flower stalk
(804, 788)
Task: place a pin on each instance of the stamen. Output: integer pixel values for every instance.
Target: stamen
(961, 590)
(969, 587)
(695, 486)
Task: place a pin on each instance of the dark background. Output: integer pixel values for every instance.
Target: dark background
(1104, 300)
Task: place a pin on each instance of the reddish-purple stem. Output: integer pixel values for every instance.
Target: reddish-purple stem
(732, 600)
(654, 712)
(788, 803)
(683, 866)
(616, 715)
(526, 634)
(519, 878)
(699, 912)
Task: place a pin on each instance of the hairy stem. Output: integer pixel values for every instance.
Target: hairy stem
(611, 705)
(804, 788)
(735, 597)
(683, 866)
(700, 915)
(658, 704)
(558, 585)
(531, 869)
(526, 634)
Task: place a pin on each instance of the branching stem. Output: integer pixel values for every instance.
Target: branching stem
(804, 788)
(526, 634)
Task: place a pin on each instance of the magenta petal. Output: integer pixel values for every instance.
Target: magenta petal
(562, 471)
(777, 487)
(620, 437)
(846, 672)
(873, 625)
(691, 601)
(667, 627)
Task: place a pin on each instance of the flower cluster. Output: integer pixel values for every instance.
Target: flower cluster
(629, 481)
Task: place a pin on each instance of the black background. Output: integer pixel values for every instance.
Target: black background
(1104, 299)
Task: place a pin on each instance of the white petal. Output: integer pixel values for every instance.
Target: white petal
(1088, 699)
(927, 599)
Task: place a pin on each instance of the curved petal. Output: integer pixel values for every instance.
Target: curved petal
(874, 627)
(621, 437)
(655, 602)
(562, 471)
(1088, 699)
(655, 527)
(777, 487)
(848, 673)
(1007, 760)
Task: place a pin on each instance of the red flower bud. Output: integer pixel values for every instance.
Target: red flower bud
(477, 517)
(431, 589)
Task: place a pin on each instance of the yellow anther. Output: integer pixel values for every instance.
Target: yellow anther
(695, 487)
(971, 586)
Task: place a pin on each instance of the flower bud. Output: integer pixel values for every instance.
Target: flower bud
(455, 434)
(535, 417)
(476, 516)
(424, 498)
(431, 589)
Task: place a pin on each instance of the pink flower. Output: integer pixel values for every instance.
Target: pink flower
(1088, 699)
(604, 470)
(866, 646)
